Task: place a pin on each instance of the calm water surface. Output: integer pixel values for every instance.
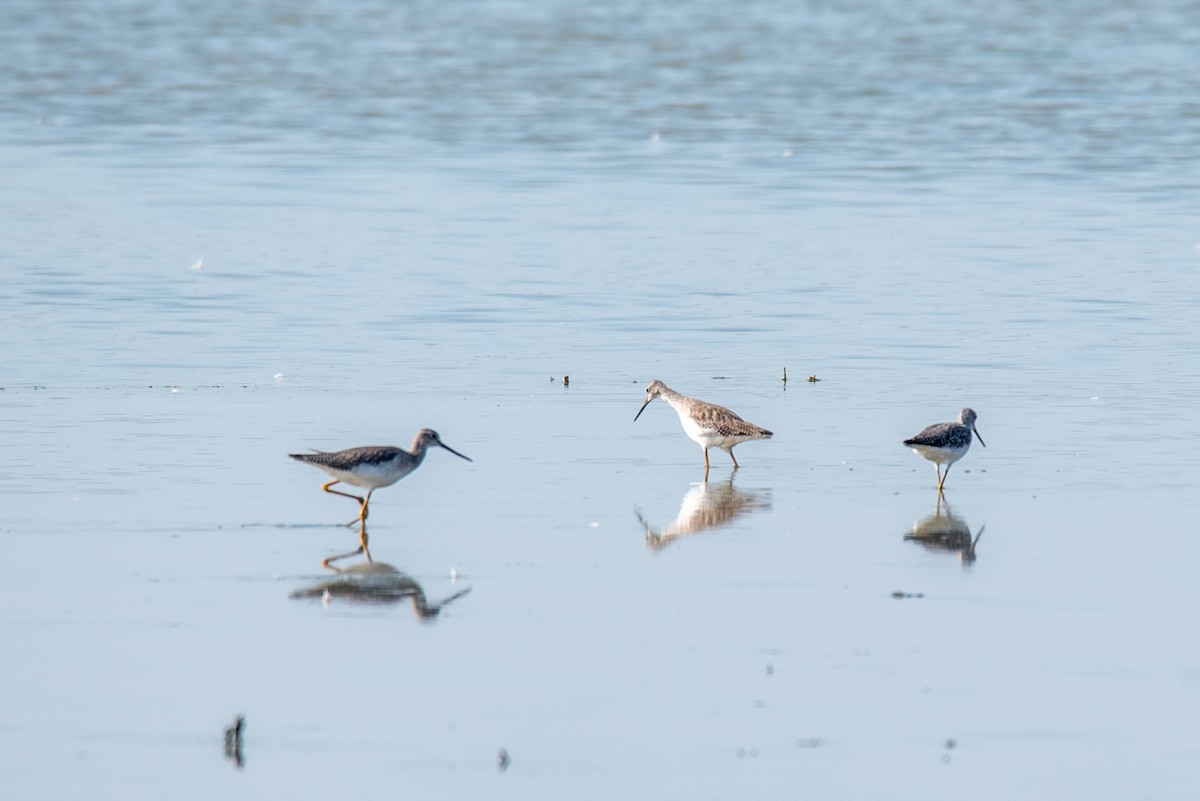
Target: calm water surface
(234, 231)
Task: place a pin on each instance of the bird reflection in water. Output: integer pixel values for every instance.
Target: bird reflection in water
(945, 532)
(371, 582)
(706, 506)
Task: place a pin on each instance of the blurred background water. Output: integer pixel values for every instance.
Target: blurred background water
(237, 230)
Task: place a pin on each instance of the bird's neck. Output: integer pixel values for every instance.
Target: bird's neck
(670, 396)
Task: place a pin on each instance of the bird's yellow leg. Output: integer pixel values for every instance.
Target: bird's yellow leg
(943, 481)
(362, 512)
(339, 492)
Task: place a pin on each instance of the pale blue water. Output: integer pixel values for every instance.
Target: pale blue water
(419, 214)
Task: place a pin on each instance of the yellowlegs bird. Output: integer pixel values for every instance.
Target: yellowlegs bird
(373, 466)
(707, 424)
(946, 443)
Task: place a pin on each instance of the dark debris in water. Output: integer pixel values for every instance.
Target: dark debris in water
(903, 594)
(233, 742)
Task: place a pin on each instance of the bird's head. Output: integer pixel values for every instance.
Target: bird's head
(653, 390)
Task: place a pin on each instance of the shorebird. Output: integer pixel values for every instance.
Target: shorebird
(372, 466)
(705, 423)
(946, 443)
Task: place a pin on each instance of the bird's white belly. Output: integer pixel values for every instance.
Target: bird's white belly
(696, 432)
(941, 455)
(707, 437)
(711, 439)
(370, 476)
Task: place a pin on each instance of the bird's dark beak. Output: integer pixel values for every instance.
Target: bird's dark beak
(644, 405)
(456, 453)
(981, 442)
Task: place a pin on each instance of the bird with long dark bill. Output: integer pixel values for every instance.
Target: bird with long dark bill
(372, 466)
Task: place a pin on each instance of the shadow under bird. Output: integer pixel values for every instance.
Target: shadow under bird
(373, 466)
(946, 443)
(706, 424)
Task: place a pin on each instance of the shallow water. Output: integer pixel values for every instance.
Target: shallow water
(234, 232)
